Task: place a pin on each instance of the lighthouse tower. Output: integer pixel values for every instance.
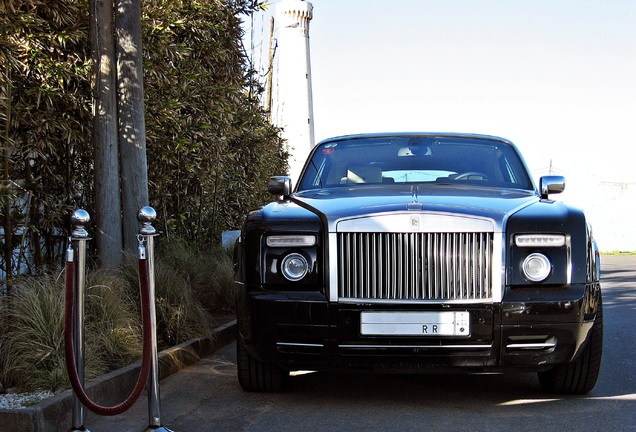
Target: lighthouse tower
(293, 105)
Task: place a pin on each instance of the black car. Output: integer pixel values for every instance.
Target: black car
(418, 252)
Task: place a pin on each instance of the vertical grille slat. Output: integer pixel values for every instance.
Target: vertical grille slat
(415, 266)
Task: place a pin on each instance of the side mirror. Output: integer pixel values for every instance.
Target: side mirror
(551, 185)
(280, 185)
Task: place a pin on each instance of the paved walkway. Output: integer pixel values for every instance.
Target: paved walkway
(193, 399)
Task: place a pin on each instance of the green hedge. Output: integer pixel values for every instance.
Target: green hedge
(210, 145)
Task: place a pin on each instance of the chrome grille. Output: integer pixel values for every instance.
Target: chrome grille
(415, 266)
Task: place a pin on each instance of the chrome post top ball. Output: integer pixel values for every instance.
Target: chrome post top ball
(146, 216)
(79, 218)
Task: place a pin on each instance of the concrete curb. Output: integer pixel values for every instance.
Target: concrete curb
(54, 414)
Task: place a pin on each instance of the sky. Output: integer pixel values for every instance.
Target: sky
(556, 77)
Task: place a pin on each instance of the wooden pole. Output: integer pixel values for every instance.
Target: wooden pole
(132, 124)
(105, 135)
(270, 69)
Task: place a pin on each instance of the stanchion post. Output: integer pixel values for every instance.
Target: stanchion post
(79, 237)
(146, 216)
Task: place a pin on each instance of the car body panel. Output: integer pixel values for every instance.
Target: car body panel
(315, 324)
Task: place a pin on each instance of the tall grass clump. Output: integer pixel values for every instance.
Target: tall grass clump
(191, 286)
(113, 324)
(32, 335)
(31, 343)
(208, 271)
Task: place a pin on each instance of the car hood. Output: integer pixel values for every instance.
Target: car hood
(336, 205)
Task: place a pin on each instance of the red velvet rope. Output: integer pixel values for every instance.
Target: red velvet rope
(71, 361)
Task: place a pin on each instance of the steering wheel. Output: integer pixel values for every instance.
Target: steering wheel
(469, 174)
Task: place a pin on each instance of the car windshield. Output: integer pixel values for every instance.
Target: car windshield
(360, 161)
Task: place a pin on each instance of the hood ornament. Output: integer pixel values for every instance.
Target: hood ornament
(414, 204)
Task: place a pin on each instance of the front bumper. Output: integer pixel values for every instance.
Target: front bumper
(526, 332)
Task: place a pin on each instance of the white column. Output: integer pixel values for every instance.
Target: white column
(293, 105)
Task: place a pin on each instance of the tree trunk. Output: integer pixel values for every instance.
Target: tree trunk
(105, 135)
(132, 126)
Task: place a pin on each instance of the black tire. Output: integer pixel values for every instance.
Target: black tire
(579, 376)
(254, 375)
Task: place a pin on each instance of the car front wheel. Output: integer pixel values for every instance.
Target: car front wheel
(254, 375)
(579, 376)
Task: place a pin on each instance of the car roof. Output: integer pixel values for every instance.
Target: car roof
(411, 134)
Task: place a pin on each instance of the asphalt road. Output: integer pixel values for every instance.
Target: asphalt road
(207, 397)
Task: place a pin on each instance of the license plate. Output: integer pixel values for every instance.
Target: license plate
(447, 323)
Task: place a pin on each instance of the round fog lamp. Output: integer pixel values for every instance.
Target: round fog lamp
(536, 267)
(294, 267)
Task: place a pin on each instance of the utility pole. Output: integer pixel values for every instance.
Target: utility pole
(270, 69)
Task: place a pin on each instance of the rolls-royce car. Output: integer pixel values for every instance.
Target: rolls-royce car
(418, 253)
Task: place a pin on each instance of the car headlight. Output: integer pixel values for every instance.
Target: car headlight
(536, 267)
(294, 267)
(290, 260)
